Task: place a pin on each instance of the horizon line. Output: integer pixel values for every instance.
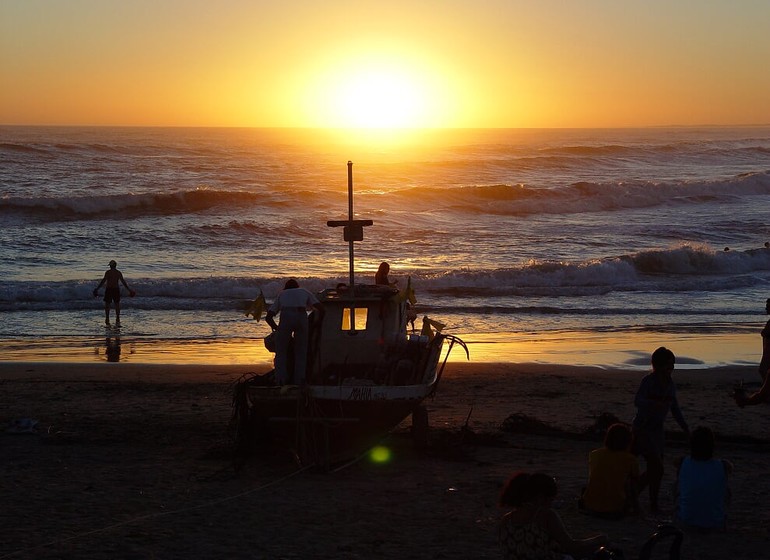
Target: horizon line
(386, 129)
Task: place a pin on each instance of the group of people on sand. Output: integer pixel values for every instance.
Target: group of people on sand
(532, 529)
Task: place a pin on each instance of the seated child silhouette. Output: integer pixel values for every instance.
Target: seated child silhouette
(702, 493)
(613, 472)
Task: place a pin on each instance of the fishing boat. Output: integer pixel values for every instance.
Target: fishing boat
(367, 371)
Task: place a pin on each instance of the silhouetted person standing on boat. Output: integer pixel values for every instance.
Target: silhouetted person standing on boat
(381, 277)
(292, 304)
(112, 277)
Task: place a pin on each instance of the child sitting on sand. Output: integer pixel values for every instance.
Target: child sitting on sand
(701, 493)
(613, 473)
(532, 529)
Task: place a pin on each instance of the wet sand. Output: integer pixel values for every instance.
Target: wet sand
(134, 461)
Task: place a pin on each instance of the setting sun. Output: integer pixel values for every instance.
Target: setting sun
(378, 100)
(378, 87)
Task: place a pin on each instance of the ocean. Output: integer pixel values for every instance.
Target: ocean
(563, 241)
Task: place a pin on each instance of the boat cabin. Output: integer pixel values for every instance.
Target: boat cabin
(364, 337)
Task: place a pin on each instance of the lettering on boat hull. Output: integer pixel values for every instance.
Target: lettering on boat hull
(360, 394)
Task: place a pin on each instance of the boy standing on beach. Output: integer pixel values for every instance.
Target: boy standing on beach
(112, 277)
(655, 397)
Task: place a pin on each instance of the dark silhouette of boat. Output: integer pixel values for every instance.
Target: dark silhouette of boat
(367, 371)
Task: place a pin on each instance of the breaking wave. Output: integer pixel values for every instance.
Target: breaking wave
(522, 200)
(496, 199)
(678, 269)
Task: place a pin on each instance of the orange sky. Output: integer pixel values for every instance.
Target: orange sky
(432, 63)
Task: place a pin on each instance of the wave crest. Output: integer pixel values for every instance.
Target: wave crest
(130, 205)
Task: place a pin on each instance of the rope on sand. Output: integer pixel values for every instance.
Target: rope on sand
(159, 514)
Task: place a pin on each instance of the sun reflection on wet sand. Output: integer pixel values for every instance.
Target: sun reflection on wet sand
(632, 351)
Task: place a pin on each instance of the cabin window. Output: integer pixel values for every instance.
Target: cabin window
(361, 315)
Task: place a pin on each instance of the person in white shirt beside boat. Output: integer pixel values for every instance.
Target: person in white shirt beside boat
(292, 305)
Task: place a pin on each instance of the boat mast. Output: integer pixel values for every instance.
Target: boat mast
(351, 258)
(352, 230)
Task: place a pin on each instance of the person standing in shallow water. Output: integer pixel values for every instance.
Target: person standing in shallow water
(112, 277)
(654, 399)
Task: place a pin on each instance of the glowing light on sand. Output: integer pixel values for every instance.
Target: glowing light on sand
(380, 454)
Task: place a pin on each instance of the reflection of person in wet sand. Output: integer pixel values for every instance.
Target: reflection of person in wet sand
(113, 278)
(113, 349)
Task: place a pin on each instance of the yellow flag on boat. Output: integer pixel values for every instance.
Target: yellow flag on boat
(408, 292)
(257, 307)
(428, 325)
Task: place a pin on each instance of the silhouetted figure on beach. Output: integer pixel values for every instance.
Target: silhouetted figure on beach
(613, 475)
(759, 397)
(702, 493)
(763, 394)
(654, 399)
(113, 278)
(531, 528)
(292, 304)
(381, 277)
(764, 364)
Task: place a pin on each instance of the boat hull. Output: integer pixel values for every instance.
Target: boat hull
(327, 424)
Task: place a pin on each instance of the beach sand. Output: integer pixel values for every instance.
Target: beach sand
(133, 461)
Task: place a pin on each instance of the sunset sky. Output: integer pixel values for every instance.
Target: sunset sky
(365, 63)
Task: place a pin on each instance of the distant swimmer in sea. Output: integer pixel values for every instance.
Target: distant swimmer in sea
(764, 364)
(113, 278)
